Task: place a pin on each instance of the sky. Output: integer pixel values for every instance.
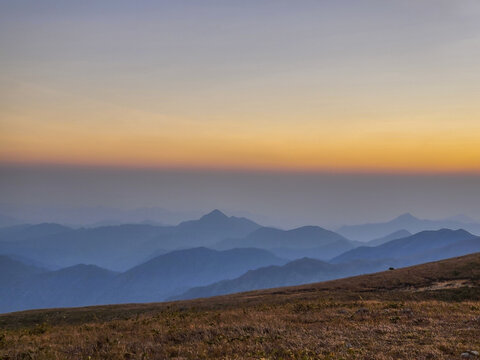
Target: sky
(382, 94)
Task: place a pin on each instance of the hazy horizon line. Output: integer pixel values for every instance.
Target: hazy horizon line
(241, 169)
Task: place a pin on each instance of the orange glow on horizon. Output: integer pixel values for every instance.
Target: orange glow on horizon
(283, 149)
(364, 160)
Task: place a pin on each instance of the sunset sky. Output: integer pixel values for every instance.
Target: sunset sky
(202, 90)
(307, 85)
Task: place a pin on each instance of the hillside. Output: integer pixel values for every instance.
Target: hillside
(417, 248)
(423, 312)
(302, 271)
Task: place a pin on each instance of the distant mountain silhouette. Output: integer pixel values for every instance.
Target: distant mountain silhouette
(154, 263)
(123, 246)
(78, 285)
(117, 247)
(313, 241)
(407, 222)
(393, 236)
(25, 232)
(301, 271)
(28, 287)
(209, 229)
(456, 249)
(113, 247)
(268, 238)
(200, 272)
(13, 271)
(410, 250)
(419, 248)
(179, 270)
(26, 261)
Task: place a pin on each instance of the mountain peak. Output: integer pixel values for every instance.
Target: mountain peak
(405, 217)
(214, 215)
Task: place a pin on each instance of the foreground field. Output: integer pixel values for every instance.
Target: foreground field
(431, 311)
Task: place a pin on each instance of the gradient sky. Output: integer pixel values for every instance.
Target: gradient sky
(307, 85)
(301, 110)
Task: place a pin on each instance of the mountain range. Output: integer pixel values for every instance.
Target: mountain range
(25, 286)
(120, 247)
(384, 239)
(408, 222)
(117, 247)
(175, 272)
(51, 265)
(312, 241)
(416, 249)
(201, 272)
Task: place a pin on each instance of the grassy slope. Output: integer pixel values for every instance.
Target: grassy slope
(422, 312)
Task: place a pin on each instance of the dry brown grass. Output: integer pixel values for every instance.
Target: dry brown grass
(368, 317)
